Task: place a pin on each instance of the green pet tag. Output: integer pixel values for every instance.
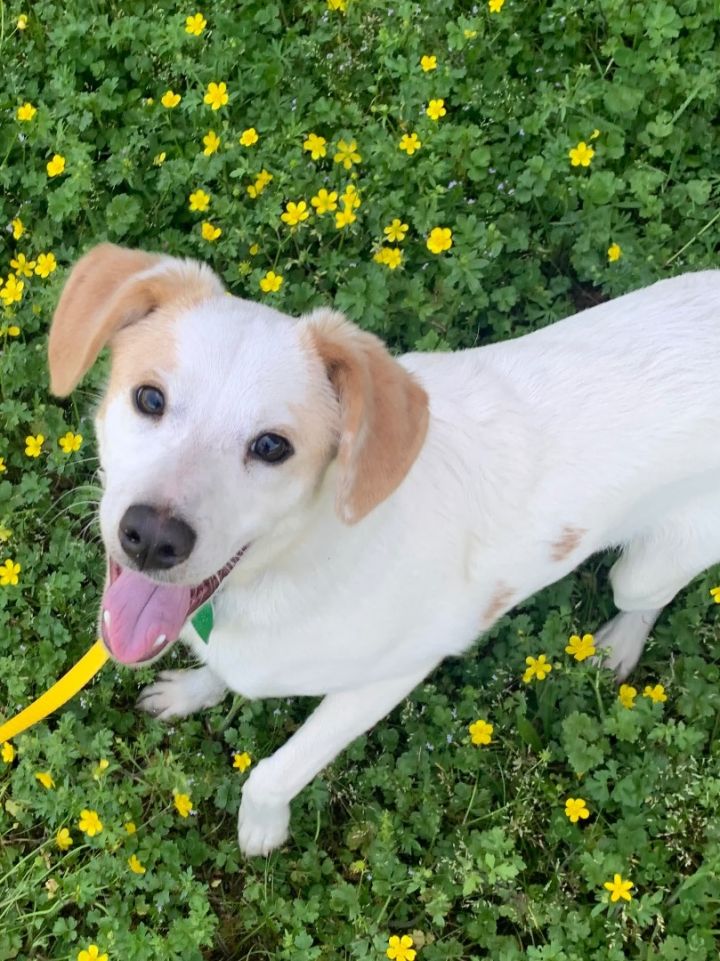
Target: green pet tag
(203, 621)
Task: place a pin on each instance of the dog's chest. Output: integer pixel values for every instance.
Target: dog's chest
(294, 639)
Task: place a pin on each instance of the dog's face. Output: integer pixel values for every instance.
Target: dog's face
(217, 415)
(218, 425)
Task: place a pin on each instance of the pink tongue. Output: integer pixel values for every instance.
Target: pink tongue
(142, 611)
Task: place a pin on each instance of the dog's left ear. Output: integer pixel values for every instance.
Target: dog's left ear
(109, 288)
(383, 413)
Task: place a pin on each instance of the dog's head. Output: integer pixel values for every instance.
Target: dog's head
(219, 423)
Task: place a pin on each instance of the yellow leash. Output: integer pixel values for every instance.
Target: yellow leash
(68, 686)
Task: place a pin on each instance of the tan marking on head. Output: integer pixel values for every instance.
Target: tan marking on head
(567, 542)
(383, 412)
(500, 602)
(109, 289)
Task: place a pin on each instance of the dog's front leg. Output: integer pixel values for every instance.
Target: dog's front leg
(338, 720)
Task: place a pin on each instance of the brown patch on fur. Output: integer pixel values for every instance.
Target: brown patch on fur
(383, 413)
(109, 289)
(500, 602)
(567, 542)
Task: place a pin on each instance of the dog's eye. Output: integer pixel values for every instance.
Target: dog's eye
(150, 400)
(271, 448)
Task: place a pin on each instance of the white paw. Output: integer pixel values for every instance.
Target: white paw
(622, 640)
(179, 693)
(263, 820)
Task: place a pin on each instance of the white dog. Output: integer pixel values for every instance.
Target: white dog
(363, 517)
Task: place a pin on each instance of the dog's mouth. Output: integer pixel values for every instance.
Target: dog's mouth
(140, 617)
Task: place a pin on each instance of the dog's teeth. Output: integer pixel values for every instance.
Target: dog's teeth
(106, 618)
(160, 640)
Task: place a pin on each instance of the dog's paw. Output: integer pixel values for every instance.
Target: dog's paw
(262, 828)
(620, 642)
(263, 820)
(179, 693)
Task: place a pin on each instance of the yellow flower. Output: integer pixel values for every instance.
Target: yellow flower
(315, 145)
(70, 442)
(242, 761)
(46, 779)
(581, 647)
(183, 804)
(439, 239)
(26, 112)
(261, 182)
(656, 694)
(295, 213)
(576, 808)
(614, 252)
(347, 154)
(350, 198)
(216, 95)
(18, 228)
(90, 823)
(135, 866)
(249, 137)
(209, 232)
(480, 732)
(159, 158)
(11, 293)
(46, 264)
(130, 827)
(211, 142)
(33, 445)
(715, 594)
(3, 468)
(195, 24)
(581, 155)
(21, 265)
(22, 22)
(12, 331)
(536, 667)
(92, 954)
(271, 282)
(619, 888)
(436, 109)
(396, 230)
(100, 768)
(63, 839)
(324, 202)
(9, 571)
(410, 143)
(627, 695)
(254, 250)
(428, 62)
(400, 949)
(495, 6)
(199, 200)
(56, 166)
(390, 256)
(8, 752)
(170, 99)
(344, 217)
(337, 5)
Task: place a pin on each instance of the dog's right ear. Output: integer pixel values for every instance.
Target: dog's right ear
(108, 289)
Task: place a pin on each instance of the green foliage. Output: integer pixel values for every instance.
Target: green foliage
(413, 829)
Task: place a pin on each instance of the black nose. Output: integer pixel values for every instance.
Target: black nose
(153, 539)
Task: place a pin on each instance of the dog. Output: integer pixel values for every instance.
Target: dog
(355, 517)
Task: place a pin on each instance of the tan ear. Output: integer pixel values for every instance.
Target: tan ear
(109, 288)
(383, 413)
